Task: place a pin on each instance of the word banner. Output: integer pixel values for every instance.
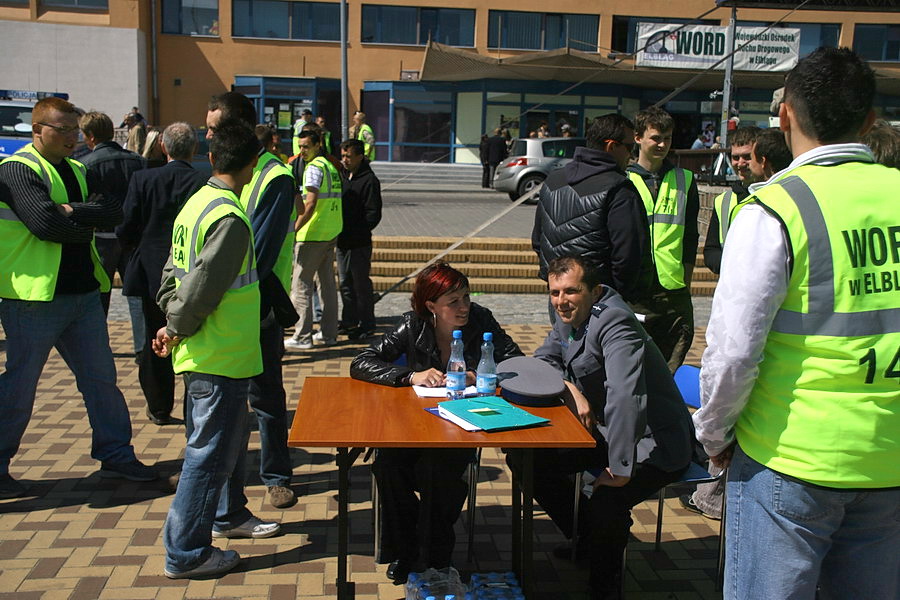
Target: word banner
(672, 46)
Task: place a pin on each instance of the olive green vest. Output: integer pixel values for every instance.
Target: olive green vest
(227, 342)
(327, 221)
(29, 267)
(667, 221)
(369, 148)
(268, 167)
(825, 407)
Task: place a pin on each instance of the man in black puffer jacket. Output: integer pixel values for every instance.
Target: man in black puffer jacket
(591, 209)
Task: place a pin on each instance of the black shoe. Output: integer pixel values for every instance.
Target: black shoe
(133, 470)
(345, 329)
(163, 420)
(398, 571)
(361, 333)
(10, 488)
(564, 551)
(687, 503)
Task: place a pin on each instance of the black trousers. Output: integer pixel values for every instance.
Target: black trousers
(420, 530)
(357, 295)
(113, 258)
(154, 373)
(267, 399)
(669, 321)
(604, 520)
(486, 174)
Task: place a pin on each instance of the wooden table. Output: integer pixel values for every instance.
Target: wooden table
(350, 415)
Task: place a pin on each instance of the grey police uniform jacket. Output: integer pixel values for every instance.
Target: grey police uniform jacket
(614, 363)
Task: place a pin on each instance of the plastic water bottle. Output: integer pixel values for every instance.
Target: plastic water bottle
(486, 374)
(456, 368)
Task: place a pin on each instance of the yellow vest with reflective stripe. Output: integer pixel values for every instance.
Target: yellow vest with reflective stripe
(29, 267)
(369, 148)
(667, 220)
(227, 342)
(268, 167)
(825, 407)
(723, 205)
(327, 221)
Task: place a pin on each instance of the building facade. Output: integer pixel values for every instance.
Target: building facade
(431, 75)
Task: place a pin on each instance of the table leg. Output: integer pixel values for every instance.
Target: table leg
(346, 590)
(527, 559)
(516, 524)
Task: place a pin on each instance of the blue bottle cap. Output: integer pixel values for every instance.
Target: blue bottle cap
(457, 334)
(488, 336)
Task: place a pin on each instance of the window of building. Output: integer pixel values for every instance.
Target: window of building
(812, 35)
(415, 26)
(624, 33)
(190, 17)
(515, 30)
(877, 42)
(94, 4)
(286, 20)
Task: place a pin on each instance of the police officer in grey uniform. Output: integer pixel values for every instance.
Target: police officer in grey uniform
(619, 387)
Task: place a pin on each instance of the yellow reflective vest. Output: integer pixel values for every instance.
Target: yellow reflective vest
(825, 407)
(667, 217)
(360, 135)
(29, 267)
(268, 167)
(227, 342)
(327, 221)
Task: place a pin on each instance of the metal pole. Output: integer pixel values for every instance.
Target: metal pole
(730, 38)
(345, 107)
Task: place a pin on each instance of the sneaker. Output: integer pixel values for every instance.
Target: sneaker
(10, 488)
(252, 528)
(220, 561)
(295, 344)
(687, 503)
(361, 333)
(322, 340)
(281, 496)
(133, 470)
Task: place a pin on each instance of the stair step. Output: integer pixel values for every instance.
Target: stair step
(703, 288)
(439, 243)
(457, 256)
(704, 274)
(472, 270)
(478, 284)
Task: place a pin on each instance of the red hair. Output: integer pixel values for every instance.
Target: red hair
(433, 282)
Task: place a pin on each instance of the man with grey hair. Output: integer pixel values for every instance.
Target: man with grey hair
(154, 198)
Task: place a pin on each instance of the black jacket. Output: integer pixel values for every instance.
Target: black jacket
(154, 198)
(360, 206)
(414, 337)
(114, 167)
(591, 209)
(712, 248)
(496, 149)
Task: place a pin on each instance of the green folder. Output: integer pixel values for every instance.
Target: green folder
(490, 413)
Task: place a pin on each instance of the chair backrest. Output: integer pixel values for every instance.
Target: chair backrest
(687, 378)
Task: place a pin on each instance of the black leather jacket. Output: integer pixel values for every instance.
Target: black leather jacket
(414, 337)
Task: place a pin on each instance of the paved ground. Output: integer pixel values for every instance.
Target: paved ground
(78, 537)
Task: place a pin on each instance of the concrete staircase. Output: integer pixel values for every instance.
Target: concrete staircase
(493, 265)
(429, 175)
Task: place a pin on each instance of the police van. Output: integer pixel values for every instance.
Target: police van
(15, 118)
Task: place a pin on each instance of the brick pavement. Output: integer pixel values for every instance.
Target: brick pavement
(80, 537)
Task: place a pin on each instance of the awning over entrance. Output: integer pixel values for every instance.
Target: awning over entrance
(446, 63)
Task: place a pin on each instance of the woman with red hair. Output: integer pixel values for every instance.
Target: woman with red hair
(417, 533)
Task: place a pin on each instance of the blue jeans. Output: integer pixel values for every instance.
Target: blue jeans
(211, 489)
(784, 538)
(76, 326)
(268, 401)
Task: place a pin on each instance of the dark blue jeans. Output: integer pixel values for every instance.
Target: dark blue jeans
(211, 489)
(76, 326)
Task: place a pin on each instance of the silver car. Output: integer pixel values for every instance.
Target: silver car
(530, 161)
